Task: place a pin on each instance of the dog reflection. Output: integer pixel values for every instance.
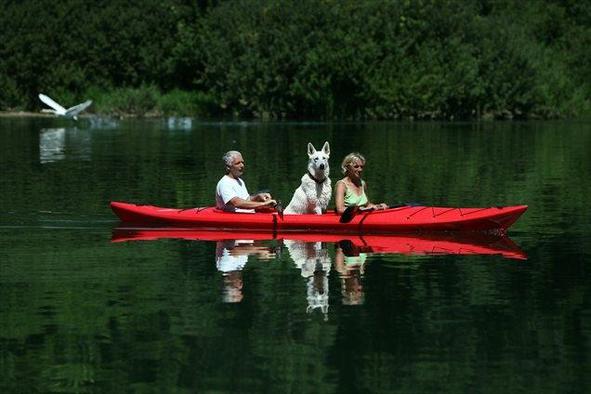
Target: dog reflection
(350, 264)
(314, 263)
(231, 257)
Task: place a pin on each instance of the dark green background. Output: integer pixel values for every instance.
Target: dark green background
(301, 59)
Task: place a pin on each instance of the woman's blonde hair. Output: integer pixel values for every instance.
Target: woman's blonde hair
(349, 159)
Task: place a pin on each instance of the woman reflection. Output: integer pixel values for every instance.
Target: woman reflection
(350, 264)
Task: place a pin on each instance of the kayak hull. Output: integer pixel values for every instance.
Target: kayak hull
(389, 221)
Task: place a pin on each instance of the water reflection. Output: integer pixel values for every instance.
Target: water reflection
(60, 143)
(80, 314)
(350, 264)
(51, 145)
(103, 122)
(313, 261)
(316, 255)
(179, 123)
(231, 257)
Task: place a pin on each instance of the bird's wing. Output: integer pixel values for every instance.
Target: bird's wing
(47, 100)
(75, 110)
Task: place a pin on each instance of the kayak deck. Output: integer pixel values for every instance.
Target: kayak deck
(392, 220)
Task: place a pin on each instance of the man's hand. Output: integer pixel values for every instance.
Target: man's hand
(266, 206)
(270, 202)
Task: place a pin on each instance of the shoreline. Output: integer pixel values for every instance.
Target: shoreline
(29, 114)
(23, 114)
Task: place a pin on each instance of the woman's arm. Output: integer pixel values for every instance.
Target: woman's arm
(369, 203)
(339, 197)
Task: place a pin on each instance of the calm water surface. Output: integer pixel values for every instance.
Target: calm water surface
(88, 307)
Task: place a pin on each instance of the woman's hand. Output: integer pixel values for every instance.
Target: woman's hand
(377, 206)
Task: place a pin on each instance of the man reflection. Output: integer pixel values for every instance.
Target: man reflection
(350, 264)
(231, 257)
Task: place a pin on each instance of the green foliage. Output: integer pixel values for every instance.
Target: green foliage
(72, 45)
(137, 101)
(9, 97)
(443, 59)
(179, 102)
(149, 100)
(428, 59)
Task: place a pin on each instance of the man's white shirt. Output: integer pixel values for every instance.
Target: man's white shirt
(228, 188)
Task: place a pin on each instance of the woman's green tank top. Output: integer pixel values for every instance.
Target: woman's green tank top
(353, 199)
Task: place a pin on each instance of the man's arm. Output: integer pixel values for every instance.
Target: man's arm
(238, 202)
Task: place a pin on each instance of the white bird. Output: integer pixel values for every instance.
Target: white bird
(61, 111)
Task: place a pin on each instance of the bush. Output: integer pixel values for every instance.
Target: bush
(126, 101)
(178, 102)
(349, 59)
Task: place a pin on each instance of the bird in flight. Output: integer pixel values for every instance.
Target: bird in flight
(58, 110)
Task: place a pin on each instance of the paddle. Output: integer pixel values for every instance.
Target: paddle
(278, 205)
(350, 212)
(279, 208)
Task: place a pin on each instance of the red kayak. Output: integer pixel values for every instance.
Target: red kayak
(393, 220)
(427, 244)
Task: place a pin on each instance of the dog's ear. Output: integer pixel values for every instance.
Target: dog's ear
(311, 149)
(326, 148)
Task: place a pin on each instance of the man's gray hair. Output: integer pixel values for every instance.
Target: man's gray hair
(229, 157)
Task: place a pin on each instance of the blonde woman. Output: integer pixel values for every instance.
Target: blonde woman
(352, 189)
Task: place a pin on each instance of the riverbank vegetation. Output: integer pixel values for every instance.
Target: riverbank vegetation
(306, 59)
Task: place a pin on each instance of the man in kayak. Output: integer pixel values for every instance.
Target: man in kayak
(231, 193)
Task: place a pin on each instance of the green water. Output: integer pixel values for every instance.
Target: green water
(80, 313)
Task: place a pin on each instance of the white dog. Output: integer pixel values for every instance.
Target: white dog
(313, 194)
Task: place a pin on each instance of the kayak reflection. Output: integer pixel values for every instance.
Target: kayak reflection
(411, 244)
(310, 254)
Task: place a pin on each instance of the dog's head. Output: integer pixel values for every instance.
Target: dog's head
(318, 160)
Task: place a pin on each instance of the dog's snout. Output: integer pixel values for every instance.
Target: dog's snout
(322, 166)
